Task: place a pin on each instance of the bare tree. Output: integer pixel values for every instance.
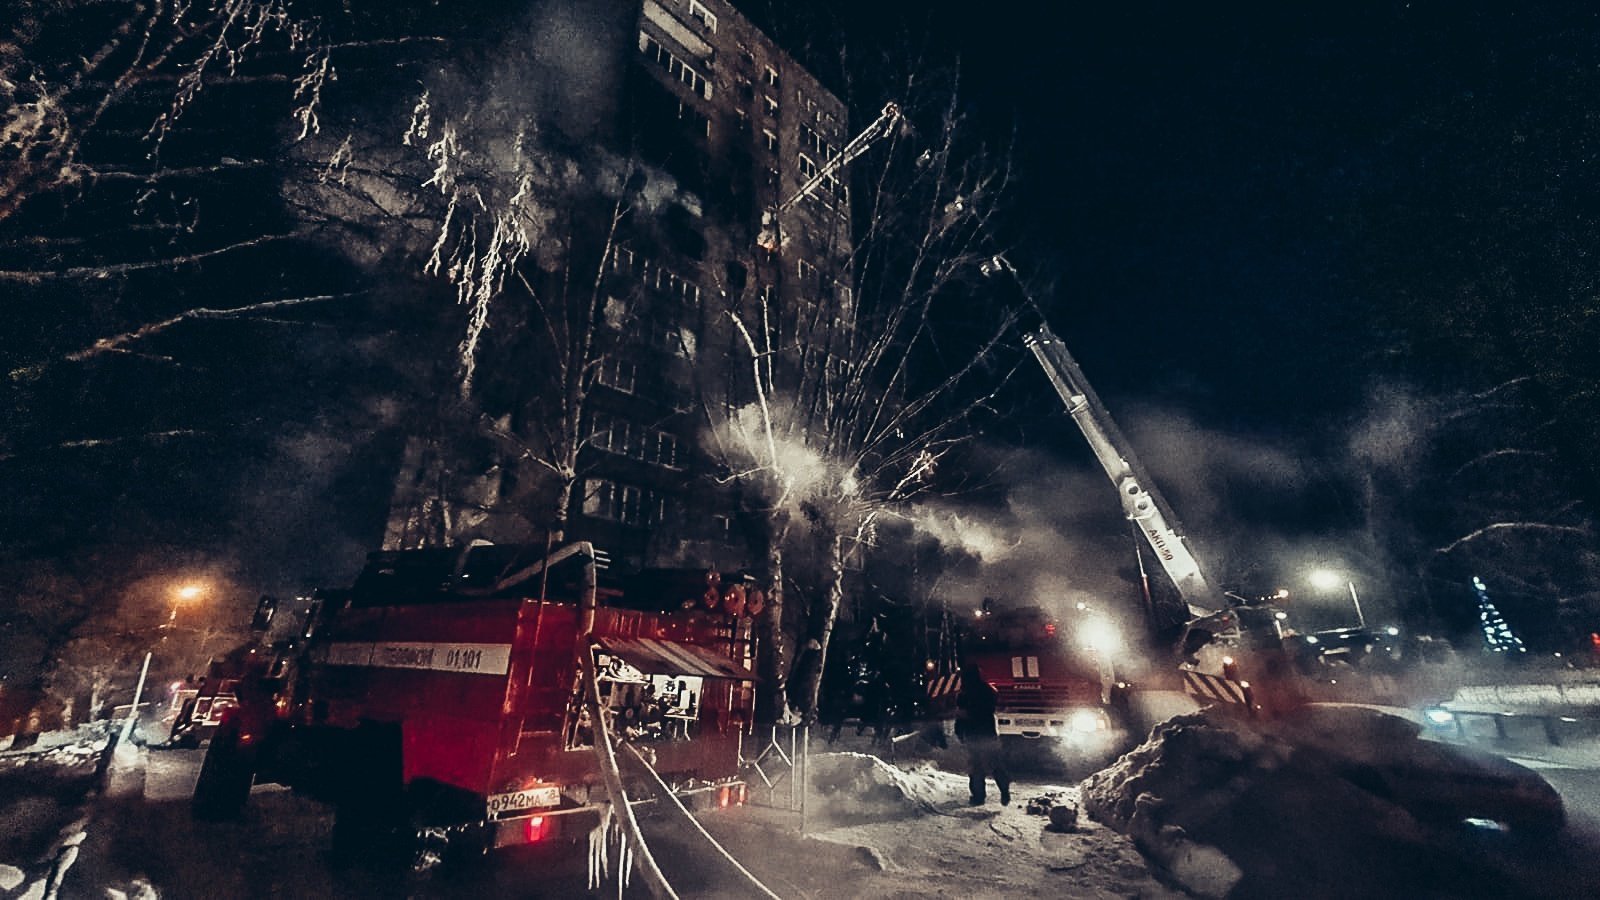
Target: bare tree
(1460, 487)
(854, 407)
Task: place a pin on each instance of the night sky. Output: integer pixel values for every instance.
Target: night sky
(1262, 228)
(1190, 175)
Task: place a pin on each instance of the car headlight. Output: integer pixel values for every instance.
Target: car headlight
(1438, 715)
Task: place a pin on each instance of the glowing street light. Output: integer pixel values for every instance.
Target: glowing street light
(1327, 580)
(187, 592)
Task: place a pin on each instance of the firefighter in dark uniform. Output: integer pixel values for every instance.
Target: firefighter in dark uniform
(975, 706)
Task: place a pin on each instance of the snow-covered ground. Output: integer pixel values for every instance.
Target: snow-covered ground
(879, 830)
(1346, 803)
(45, 794)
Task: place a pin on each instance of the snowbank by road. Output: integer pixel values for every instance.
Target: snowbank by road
(1334, 802)
(44, 795)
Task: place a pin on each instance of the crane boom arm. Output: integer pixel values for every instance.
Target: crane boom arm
(1140, 501)
(880, 127)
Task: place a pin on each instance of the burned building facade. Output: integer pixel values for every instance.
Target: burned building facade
(718, 128)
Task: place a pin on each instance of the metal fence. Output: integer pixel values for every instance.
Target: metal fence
(775, 759)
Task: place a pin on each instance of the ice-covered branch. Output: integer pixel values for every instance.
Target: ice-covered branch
(110, 269)
(92, 443)
(119, 341)
(1511, 526)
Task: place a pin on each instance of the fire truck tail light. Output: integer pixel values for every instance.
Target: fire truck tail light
(534, 830)
(744, 795)
(724, 794)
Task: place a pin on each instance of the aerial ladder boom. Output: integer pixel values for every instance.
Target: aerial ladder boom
(1140, 501)
(888, 119)
(880, 128)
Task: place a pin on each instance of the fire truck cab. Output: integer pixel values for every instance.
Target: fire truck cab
(443, 701)
(1045, 688)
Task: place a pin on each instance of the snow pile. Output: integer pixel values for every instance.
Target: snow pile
(60, 748)
(1331, 802)
(857, 787)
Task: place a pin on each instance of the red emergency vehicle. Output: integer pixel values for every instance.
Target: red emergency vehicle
(442, 699)
(1046, 689)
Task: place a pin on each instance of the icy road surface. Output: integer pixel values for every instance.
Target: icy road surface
(872, 829)
(898, 833)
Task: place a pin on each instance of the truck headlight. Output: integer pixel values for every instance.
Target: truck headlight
(1438, 715)
(1087, 721)
(1099, 636)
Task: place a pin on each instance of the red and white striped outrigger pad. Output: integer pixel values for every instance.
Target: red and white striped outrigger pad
(1214, 688)
(944, 685)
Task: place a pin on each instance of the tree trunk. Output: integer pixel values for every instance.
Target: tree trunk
(772, 694)
(812, 687)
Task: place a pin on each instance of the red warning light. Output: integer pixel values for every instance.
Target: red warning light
(534, 831)
(1049, 629)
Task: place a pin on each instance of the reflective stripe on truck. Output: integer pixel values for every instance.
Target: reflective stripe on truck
(472, 659)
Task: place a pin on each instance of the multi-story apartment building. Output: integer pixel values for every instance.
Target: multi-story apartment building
(718, 107)
(726, 126)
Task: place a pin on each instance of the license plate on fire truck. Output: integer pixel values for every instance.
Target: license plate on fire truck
(528, 798)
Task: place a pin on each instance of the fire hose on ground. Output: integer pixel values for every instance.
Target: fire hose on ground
(633, 835)
(667, 792)
(633, 838)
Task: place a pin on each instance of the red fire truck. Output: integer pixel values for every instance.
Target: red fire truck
(449, 700)
(1047, 690)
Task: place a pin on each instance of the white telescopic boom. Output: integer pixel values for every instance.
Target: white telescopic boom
(1139, 498)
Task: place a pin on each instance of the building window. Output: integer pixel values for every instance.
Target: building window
(666, 450)
(811, 140)
(674, 66)
(770, 76)
(832, 188)
(625, 503)
(622, 259)
(618, 435)
(770, 139)
(652, 274)
(808, 169)
(806, 271)
(771, 105)
(699, 122)
(698, 11)
(618, 373)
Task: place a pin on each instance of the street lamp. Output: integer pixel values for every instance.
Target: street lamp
(1327, 579)
(184, 593)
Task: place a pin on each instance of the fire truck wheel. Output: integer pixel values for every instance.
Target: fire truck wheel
(370, 823)
(225, 778)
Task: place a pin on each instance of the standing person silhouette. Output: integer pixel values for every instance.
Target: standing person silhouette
(975, 706)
